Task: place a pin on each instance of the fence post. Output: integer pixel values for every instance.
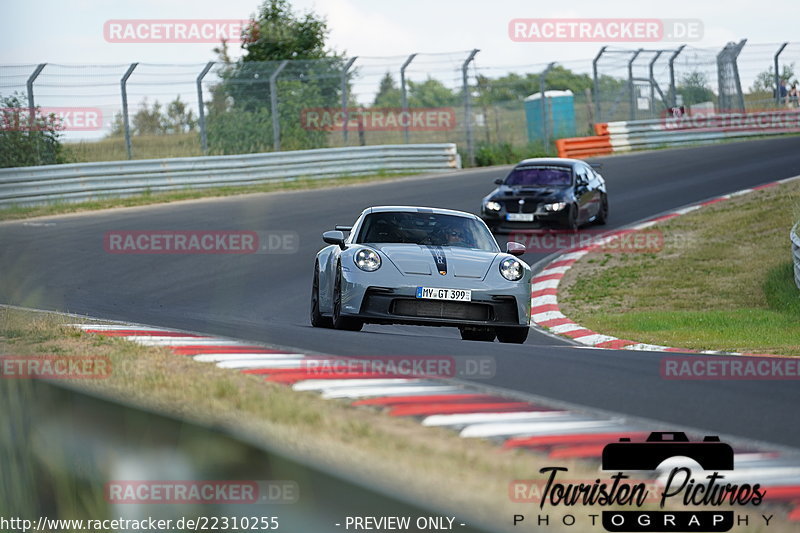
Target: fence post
(31, 105)
(735, 56)
(403, 92)
(543, 103)
(468, 107)
(273, 97)
(673, 90)
(124, 90)
(596, 83)
(631, 96)
(201, 107)
(653, 83)
(778, 75)
(345, 95)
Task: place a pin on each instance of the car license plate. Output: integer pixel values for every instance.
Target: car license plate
(519, 217)
(457, 295)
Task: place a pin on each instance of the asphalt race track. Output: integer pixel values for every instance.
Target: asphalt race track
(60, 264)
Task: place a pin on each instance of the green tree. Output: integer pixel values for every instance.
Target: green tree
(148, 120)
(430, 93)
(765, 81)
(694, 88)
(277, 33)
(389, 94)
(179, 118)
(25, 142)
(311, 79)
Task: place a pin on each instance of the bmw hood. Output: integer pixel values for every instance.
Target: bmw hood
(531, 194)
(415, 259)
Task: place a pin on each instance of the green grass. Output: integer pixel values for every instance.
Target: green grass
(723, 281)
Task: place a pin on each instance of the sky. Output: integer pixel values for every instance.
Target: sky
(71, 31)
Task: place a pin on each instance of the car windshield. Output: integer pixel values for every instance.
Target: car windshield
(426, 229)
(540, 176)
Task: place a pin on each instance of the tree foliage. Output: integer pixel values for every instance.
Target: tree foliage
(154, 120)
(240, 112)
(694, 88)
(765, 81)
(26, 143)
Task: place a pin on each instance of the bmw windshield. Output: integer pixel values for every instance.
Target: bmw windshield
(429, 229)
(540, 176)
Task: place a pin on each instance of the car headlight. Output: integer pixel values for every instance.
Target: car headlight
(558, 206)
(492, 206)
(511, 269)
(367, 260)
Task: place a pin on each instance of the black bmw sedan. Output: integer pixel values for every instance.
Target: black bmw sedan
(547, 191)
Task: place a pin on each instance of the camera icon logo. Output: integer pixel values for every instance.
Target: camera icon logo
(710, 453)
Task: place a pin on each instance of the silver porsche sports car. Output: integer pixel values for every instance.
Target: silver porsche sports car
(422, 266)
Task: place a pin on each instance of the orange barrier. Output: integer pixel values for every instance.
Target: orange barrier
(601, 128)
(584, 146)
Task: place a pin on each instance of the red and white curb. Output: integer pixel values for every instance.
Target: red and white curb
(546, 314)
(473, 413)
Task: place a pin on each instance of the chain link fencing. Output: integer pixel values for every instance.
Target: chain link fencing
(143, 110)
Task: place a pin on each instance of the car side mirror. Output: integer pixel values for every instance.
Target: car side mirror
(516, 249)
(334, 237)
(498, 181)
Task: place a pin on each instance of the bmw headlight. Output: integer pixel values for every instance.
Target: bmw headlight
(558, 206)
(492, 206)
(367, 260)
(511, 269)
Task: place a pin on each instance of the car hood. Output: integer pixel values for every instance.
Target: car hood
(415, 259)
(540, 194)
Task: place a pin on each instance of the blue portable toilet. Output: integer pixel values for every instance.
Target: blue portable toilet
(560, 114)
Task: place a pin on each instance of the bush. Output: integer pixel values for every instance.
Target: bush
(24, 143)
(505, 153)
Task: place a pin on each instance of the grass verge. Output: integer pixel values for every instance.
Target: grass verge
(148, 198)
(436, 465)
(722, 281)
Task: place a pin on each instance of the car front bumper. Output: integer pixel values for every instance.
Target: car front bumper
(372, 299)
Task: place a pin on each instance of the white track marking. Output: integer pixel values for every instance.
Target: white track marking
(467, 419)
(508, 429)
(549, 315)
(331, 384)
(400, 390)
(219, 357)
(263, 363)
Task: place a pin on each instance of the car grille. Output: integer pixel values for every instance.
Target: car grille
(512, 206)
(439, 309)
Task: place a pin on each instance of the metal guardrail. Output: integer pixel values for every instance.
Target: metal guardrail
(26, 186)
(626, 136)
(795, 238)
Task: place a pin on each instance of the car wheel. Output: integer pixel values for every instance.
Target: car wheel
(339, 321)
(317, 320)
(602, 216)
(572, 218)
(513, 335)
(477, 334)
